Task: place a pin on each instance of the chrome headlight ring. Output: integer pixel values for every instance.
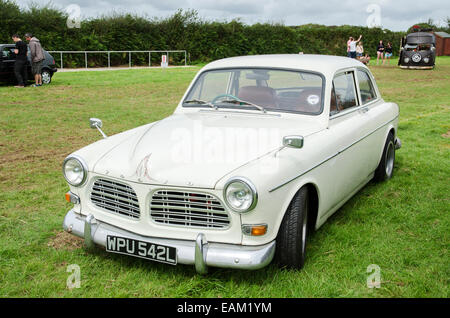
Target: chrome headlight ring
(240, 194)
(75, 170)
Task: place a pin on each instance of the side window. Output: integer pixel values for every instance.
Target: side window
(344, 91)
(8, 53)
(365, 87)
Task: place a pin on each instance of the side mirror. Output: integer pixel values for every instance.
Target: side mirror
(96, 123)
(293, 141)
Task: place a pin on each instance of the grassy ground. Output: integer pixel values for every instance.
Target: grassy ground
(401, 225)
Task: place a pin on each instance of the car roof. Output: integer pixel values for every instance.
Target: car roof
(420, 37)
(325, 64)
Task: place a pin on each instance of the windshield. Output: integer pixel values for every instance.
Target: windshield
(420, 47)
(258, 89)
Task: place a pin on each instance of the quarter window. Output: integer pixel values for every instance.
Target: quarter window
(344, 91)
(366, 88)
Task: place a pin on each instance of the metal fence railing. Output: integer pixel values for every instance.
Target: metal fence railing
(110, 52)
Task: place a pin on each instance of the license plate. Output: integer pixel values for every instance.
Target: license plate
(151, 251)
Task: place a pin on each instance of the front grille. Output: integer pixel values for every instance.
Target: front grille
(115, 197)
(188, 209)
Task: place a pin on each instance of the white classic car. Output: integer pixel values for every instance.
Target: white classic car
(260, 151)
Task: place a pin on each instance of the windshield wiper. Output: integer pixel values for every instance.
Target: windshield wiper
(199, 101)
(243, 102)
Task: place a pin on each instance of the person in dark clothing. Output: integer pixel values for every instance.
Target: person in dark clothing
(380, 51)
(20, 66)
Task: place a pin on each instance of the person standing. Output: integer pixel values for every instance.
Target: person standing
(348, 46)
(37, 56)
(388, 53)
(352, 47)
(380, 51)
(359, 50)
(20, 65)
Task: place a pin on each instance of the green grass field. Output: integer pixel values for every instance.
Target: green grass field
(401, 225)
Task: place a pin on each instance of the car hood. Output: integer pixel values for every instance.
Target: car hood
(198, 149)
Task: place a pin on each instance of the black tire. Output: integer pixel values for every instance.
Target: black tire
(46, 76)
(385, 169)
(293, 232)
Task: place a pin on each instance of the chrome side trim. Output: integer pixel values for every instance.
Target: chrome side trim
(332, 156)
(212, 254)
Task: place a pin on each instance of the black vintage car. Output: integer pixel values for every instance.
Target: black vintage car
(7, 59)
(418, 51)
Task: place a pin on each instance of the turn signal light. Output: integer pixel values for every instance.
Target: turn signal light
(72, 198)
(254, 230)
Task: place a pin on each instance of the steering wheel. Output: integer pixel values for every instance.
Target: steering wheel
(215, 99)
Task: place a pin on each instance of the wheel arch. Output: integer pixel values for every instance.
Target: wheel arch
(313, 204)
(46, 68)
(391, 129)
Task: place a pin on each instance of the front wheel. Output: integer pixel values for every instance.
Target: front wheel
(46, 77)
(385, 168)
(291, 239)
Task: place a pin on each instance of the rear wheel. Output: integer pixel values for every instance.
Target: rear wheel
(292, 236)
(385, 168)
(46, 77)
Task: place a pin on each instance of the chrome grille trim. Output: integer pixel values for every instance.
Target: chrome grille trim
(188, 209)
(115, 197)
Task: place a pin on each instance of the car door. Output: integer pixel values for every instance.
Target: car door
(8, 60)
(377, 116)
(349, 125)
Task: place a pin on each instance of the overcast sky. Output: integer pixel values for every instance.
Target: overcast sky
(395, 15)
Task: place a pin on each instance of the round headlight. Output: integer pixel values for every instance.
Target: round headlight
(426, 59)
(240, 195)
(406, 59)
(75, 170)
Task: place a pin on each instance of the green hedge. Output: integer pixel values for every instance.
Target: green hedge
(184, 30)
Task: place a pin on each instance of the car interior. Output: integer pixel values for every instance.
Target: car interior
(273, 94)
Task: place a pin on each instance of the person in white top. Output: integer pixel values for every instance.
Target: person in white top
(352, 47)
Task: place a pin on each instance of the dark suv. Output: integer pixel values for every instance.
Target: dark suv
(7, 59)
(418, 51)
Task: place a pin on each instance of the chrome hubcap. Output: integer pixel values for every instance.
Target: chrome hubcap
(390, 155)
(45, 77)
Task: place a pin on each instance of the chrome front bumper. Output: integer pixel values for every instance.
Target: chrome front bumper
(199, 252)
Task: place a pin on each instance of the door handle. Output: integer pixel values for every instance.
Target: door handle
(365, 109)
